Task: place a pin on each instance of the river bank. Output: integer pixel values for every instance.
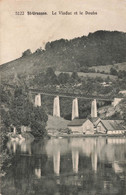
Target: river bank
(83, 135)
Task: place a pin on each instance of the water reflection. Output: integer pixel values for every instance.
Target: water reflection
(94, 159)
(56, 161)
(19, 146)
(38, 168)
(67, 166)
(75, 160)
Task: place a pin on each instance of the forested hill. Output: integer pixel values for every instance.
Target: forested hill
(98, 48)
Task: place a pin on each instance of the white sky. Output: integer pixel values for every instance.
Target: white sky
(18, 33)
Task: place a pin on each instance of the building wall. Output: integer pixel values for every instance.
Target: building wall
(96, 122)
(115, 132)
(76, 129)
(88, 127)
(100, 128)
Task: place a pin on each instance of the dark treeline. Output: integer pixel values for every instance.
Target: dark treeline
(17, 110)
(99, 48)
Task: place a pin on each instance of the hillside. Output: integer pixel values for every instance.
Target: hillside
(106, 69)
(110, 112)
(90, 74)
(96, 49)
(56, 123)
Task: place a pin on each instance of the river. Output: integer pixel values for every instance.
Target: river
(67, 166)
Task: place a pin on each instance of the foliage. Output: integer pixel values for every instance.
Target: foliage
(45, 78)
(20, 108)
(123, 109)
(22, 112)
(26, 53)
(39, 50)
(122, 74)
(5, 94)
(75, 76)
(66, 131)
(50, 76)
(5, 118)
(38, 120)
(87, 51)
(113, 71)
(63, 78)
(74, 55)
(5, 158)
(77, 85)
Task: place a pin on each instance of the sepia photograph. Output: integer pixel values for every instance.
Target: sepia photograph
(63, 97)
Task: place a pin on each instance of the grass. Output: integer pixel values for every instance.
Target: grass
(56, 123)
(106, 68)
(92, 75)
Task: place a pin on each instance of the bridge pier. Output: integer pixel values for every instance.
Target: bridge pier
(56, 107)
(94, 108)
(75, 113)
(38, 100)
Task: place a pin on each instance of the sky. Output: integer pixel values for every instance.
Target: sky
(21, 32)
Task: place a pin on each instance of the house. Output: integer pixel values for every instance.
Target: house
(123, 92)
(25, 129)
(95, 121)
(81, 126)
(106, 84)
(110, 127)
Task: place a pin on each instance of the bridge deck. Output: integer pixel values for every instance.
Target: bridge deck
(79, 96)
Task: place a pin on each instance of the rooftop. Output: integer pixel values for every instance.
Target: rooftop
(113, 124)
(123, 91)
(94, 119)
(77, 122)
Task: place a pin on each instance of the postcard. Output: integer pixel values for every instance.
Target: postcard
(63, 97)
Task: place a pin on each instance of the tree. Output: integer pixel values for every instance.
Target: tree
(5, 118)
(22, 112)
(50, 76)
(26, 53)
(39, 50)
(63, 78)
(38, 120)
(99, 79)
(20, 108)
(113, 71)
(4, 94)
(74, 75)
(5, 157)
(122, 74)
